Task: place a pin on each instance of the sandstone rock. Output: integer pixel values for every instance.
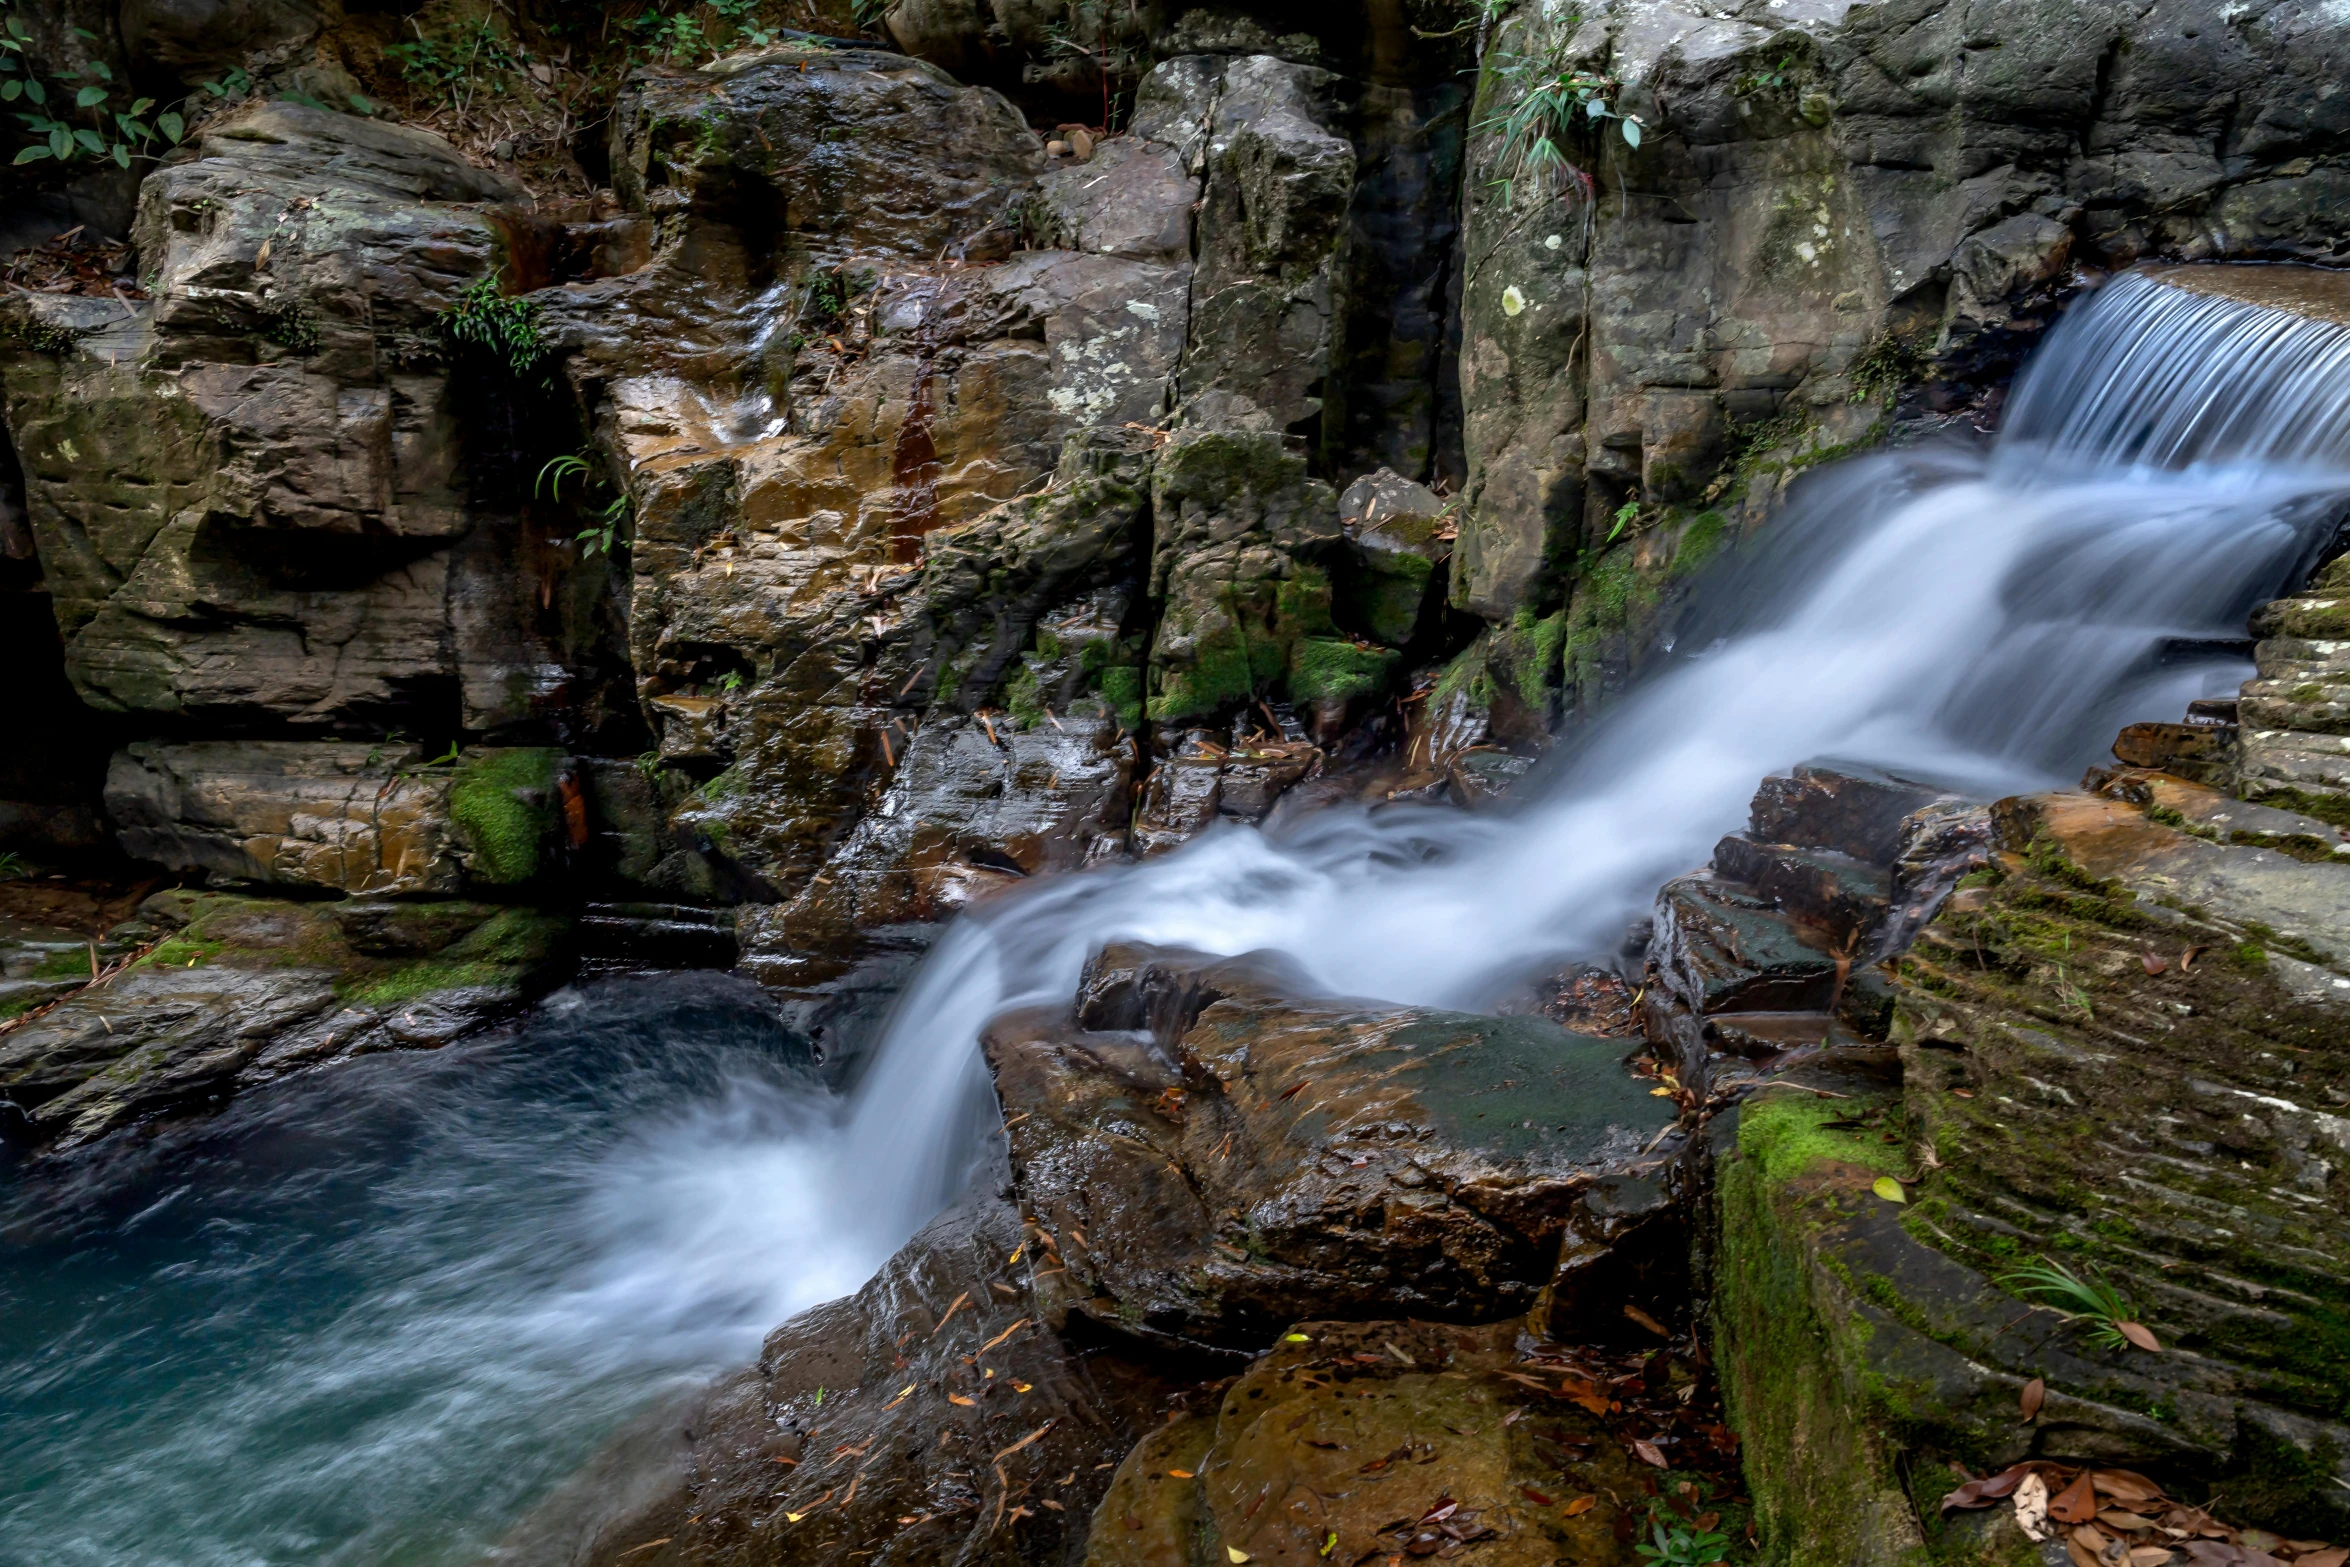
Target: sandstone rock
(346, 817)
(1212, 1156)
(931, 1416)
(245, 989)
(336, 816)
(1395, 532)
(1278, 184)
(1336, 1443)
(2112, 1053)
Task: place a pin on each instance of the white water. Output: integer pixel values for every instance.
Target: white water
(1993, 619)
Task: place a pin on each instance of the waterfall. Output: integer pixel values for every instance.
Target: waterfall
(2171, 460)
(371, 1314)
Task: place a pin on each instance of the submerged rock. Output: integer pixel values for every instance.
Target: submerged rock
(1211, 1154)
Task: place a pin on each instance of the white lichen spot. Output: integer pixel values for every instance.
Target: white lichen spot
(1553, 242)
(65, 449)
(1512, 301)
(1807, 251)
(1142, 308)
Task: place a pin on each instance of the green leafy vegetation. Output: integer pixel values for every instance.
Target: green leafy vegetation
(506, 330)
(2092, 1300)
(12, 867)
(1685, 1547)
(1546, 102)
(83, 113)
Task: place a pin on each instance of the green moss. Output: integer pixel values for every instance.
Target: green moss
(1786, 1134)
(504, 951)
(1700, 542)
(503, 806)
(1329, 669)
(1121, 687)
(182, 951)
(2329, 808)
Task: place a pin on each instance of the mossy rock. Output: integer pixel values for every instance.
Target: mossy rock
(506, 814)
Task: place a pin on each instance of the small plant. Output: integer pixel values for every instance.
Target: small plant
(1546, 95)
(1626, 515)
(2093, 1300)
(732, 680)
(668, 37)
(11, 867)
(1685, 1548)
(461, 66)
(555, 471)
(506, 329)
(1764, 79)
(93, 124)
(605, 535)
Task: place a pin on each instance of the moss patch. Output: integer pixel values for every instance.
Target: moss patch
(503, 804)
(504, 952)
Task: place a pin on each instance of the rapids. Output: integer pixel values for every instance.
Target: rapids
(370, 1315)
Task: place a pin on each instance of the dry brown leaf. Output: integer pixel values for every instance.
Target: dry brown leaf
(2139, 1334)
(2115, 1518)
(2082, 1555)
(2125, 1485)
(2154, 965)
(2034, 1395)
(1534, 1496)
(967, 1403)
(1579, 1506)
(1648, 1453)
(2149, 1555)
(2333, 1558)
(2188, 957)
(2075, 1504)
(1643, 1319)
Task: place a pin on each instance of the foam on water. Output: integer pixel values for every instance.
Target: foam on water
(467, 1312)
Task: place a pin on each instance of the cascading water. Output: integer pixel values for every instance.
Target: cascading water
(403, 1297)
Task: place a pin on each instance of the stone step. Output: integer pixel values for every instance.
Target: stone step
(1848, 807)
(1845, 898)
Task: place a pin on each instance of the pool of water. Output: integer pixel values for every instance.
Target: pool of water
(371, 1315)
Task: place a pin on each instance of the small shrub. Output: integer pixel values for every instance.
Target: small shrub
(487, 322)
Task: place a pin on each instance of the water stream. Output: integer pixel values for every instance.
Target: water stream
(369, 1315)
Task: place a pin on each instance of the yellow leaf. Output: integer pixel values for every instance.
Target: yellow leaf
(794, 1517)
(1295, 1338)
(1889, 1189)
(1022, 1387)
(957, 1398)
(1180, 1474)
(1660, 1093)
(1236, 1553)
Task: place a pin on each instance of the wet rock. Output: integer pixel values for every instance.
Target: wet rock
(1278, 182)
(2112, 1054)
(1240, 536)
(1841, 806)
(2294, 713)
(881, 154)
(223, 992)
(1362, 1440)
(341, 817)
(931, 1416)
(2204, 753)
(975, 806)
(1133, 198)
(1212, 1156)
(1396, 538)
(338, 816)
(2207, 813)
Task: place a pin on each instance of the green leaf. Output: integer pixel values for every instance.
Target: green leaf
(11, 90)
(142, 105)
(33, 153)
(35, 91)
(101, 70)
(18, 28)
(122, 154)
(1596, 108)
(91, 139)
(171, 125)
(1889, 1189)
(363, 104)
(7, 61)
(88, 96)
(60, 141)
(1632, 131)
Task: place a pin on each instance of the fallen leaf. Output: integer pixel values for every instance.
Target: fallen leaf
(1292, 1091)
(1000, 1337)
(2035, 1394)
(967, 1403)
(2083, 1544)
(1648, 1322)
(1182, 1474)
(1534, 1496)
(2153, 964)
(1295, 1338)
(2139, 1334)
(1023, 1387)
(2125, 1485)
(2333, 1558)
(2188, 957)
(1648, 1453)
(1579, 1506)
(2076, 1503)
(2149, 1555)
(2031, 1507)
(1660, 1093)
(2127, 1523)
(1889, 1189)
(1236, 1553)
